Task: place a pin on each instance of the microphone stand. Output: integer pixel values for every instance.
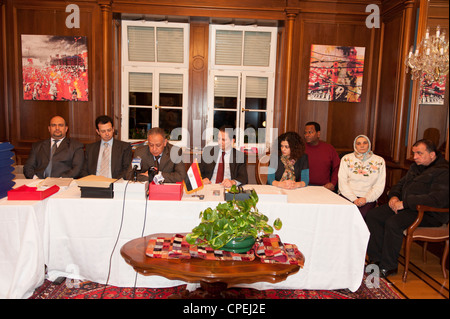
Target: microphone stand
(135, 173)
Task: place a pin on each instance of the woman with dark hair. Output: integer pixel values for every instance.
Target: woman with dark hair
(289, 167)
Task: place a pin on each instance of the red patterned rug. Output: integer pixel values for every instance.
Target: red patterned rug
(92, 290)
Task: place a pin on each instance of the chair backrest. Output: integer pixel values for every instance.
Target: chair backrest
(262, 166)
(428, 233)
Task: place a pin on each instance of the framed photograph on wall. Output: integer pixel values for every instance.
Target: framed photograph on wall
(432, 92)
(55, 68)
(336, 73)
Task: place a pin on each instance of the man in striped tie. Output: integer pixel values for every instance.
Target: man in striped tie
(108, 157)
(58, 156)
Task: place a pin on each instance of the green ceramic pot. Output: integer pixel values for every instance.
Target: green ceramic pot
(239, 244)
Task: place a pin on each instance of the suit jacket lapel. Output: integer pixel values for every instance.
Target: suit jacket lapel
(96, 150)
(115, 150)
(46, 148)
(232, 162)
(235, 159)
(165, 156)
(94, 157)
(63, 145)
(217, 152)
(151, 160)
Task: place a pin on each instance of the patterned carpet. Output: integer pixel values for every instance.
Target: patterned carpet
(91, 290)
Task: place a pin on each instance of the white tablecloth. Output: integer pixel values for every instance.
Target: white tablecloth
(80, 235)
(21, 247)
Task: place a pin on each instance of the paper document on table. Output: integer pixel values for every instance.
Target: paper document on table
(266, 189)
(59, 181)
(269, 193)
(95, 181)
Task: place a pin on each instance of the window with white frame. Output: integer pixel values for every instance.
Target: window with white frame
(155, 66)
(241, 83)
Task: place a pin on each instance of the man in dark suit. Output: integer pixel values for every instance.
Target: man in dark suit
(425, 183)
(58, 156)
(223, 164)
(161, 156)
(108, 157)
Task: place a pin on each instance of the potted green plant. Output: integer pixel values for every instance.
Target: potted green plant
(233, 223)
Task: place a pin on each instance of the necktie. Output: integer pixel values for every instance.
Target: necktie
(157, 162)
(104, 165)
(48, 169)
(220, 170)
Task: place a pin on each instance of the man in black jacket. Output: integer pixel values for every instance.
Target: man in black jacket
(425, 183)
(223, 164)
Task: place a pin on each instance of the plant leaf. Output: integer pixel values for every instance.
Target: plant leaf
(189, 239)
(229, 220)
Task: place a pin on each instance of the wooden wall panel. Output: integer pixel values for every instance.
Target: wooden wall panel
(116, 75)
(397, 26)
(249, 9)
(29, 119)
(388, 89)
(381, 114)
(334, 116)
(198, 81)
(421, 116)
(4, 125)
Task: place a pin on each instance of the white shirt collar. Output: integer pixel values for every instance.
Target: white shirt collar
(57, 141)
(110, 142)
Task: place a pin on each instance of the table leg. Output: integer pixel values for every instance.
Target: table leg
(216, 290)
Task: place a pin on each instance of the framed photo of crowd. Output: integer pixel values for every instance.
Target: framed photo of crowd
(336, 73)
(55, 68)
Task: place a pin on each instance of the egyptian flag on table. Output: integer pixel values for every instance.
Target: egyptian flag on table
(193, 181)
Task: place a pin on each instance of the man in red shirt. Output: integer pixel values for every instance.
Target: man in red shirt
(323, 158)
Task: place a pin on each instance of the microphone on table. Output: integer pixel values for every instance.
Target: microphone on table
(151, 174)
(152, 171)
(136, 164)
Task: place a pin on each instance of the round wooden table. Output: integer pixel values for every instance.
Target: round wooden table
(214, 276)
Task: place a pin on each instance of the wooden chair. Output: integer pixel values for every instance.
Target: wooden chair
(426, 234)
(261, 170)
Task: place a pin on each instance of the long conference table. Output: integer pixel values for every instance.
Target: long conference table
(80, 238)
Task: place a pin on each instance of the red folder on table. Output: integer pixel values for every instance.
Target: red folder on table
(165, 191)
(31, 193)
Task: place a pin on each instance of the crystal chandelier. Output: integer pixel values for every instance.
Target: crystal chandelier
(430, 57)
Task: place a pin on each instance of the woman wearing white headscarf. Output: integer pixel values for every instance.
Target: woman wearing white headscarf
(362, 175)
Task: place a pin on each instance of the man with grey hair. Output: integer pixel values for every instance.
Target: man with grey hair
(159, 156)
